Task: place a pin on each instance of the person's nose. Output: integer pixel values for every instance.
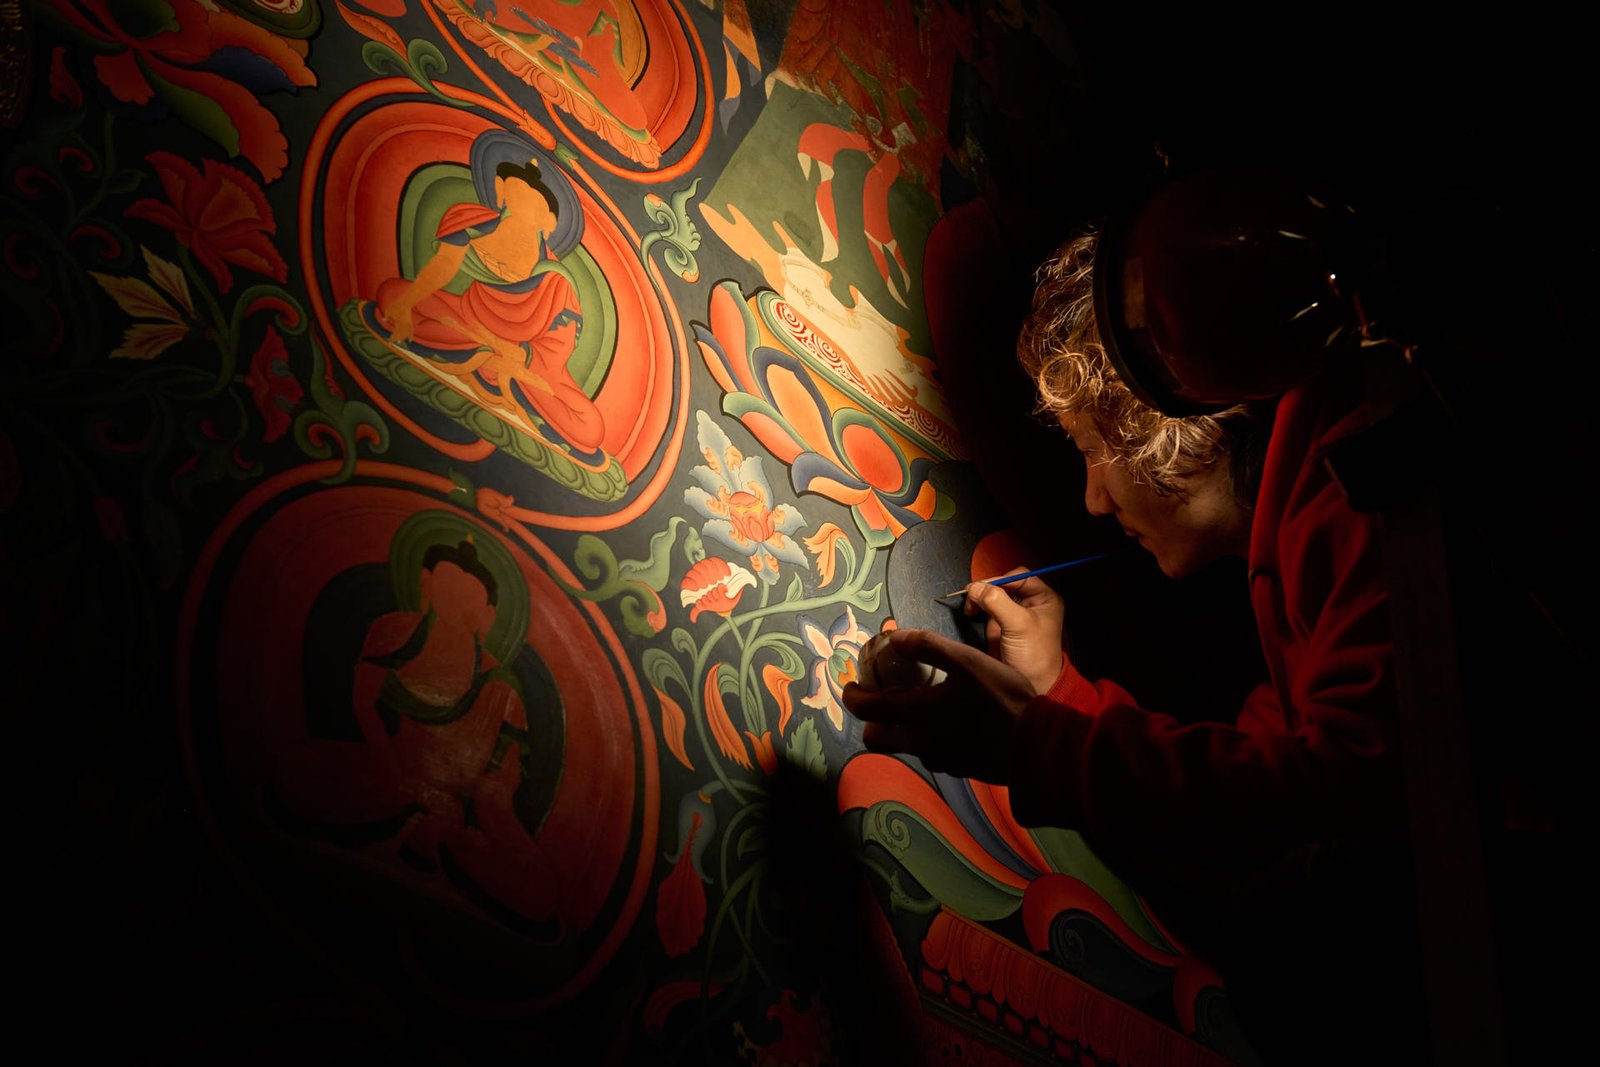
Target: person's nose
(1096, 497)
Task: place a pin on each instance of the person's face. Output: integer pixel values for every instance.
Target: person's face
(526, 202)
(457, 598)
(1183, 531)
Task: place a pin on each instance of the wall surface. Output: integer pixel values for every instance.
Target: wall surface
(452, 451)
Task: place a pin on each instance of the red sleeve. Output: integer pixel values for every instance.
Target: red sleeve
(1310, 759)
(464, 216)
(389, 633)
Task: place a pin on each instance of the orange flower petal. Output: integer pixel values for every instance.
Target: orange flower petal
(376, 29)
(765, 755)
(673, 724)
(777, 684)
(721, 726)
(824, 545)
(795, 402)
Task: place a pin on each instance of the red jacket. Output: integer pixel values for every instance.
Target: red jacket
(1310, 760)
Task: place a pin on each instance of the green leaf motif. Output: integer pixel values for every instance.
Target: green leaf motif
(639, 614)
(126, 181)
(214, 458)
(805, 751)
(595, 560)
(422, 63)
(463, 493)
(197, 110)
(1070, 854)
(661, 668)
(874, 537)
(938, 867)
(728, 680)
(797, 589)
(146, 18)
(899, 898)
(675, 230)
(789, 661)
(336, 418)
(655, 570)
(694, 548)
(753, 839)
(636, 583)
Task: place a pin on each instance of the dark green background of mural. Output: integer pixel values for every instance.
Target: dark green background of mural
(169, 390)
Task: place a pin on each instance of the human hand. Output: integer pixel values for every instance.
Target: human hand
(399, 319)
(511, 359)
(963, 725)
(1024, 628)
(880, 667)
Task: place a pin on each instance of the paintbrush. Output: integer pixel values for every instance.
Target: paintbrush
(1008, 579)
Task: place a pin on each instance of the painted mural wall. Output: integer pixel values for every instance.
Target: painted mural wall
(452, 452)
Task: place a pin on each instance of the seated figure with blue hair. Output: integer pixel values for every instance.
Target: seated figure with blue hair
(507, 336)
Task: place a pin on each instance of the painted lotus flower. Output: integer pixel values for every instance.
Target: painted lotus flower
(714, 585)
(837, 651)
(219, 214)
(735, 499)
(207, 66)
(836, 450)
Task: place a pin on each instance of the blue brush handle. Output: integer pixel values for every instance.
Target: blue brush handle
(1008, 579)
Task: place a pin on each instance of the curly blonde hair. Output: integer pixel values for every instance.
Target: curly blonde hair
(1059, 348)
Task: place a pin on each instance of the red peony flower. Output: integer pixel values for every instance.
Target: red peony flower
(272, 385)
(220, 215)
(714, 585)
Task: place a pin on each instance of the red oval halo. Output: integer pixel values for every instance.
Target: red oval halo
(361, 179)
(600, 830)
